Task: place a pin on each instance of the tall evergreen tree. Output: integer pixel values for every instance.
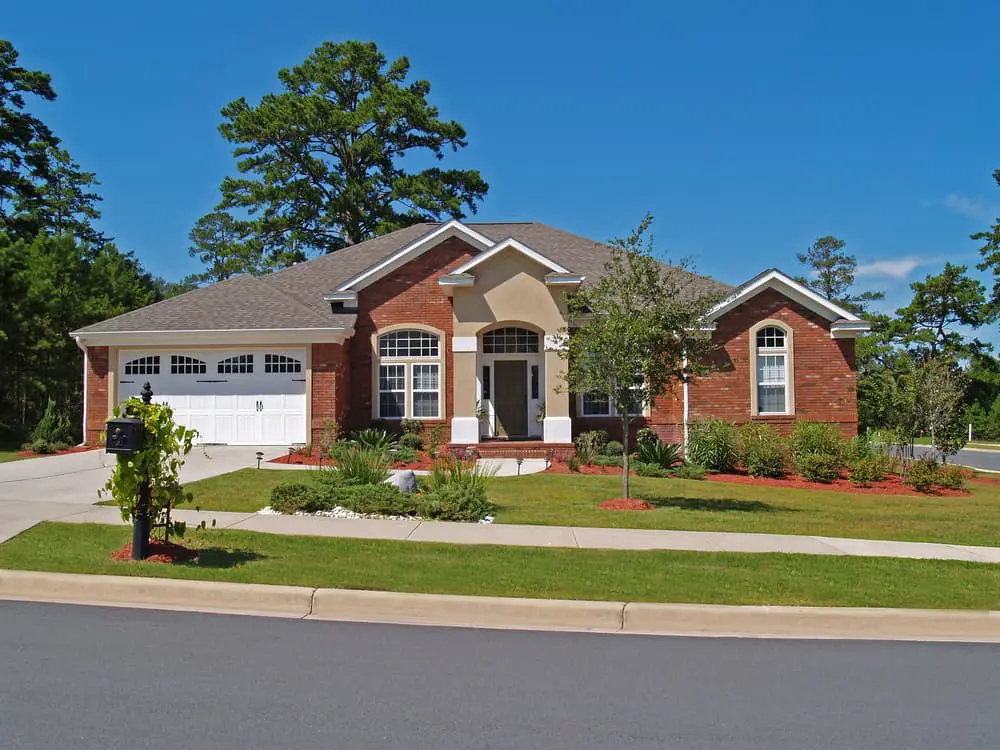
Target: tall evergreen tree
(991, 254)
(832, 273)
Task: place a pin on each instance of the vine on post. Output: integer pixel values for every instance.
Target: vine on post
(159, 461)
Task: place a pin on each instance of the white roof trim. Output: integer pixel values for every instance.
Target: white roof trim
(453, 279)
(502, 245)
(234, 336)
(775, 279)
(453, 228)
(849, 329)
(341, 297)
(564, 279)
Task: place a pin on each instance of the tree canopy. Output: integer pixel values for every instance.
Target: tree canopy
(329, 160)
(991, 254)
(832, 272)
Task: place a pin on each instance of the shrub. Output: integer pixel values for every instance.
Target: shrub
(405, 454)
(456, 503)
(860, 447)
(645, 435)
(53, 427)
(573, 463)
(436, 438)
(411, 427)
(374, 499)
(864, 471)
(821, 438)
(662, 454)
(44, 447)
(689, 471)
(762, 451)
(951, 477)
(292, 498)
(608, 461)
(923, 474)
(411, 440)
(329, 435)
(648, 469)
(371, 439)
(450, 471)
(613, 448)
(712, 444)
(363, 466)
(590, 444)
(818, 467)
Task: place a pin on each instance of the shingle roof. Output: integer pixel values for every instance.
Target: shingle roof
(293, 297)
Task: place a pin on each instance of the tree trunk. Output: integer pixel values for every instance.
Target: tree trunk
(625, 487)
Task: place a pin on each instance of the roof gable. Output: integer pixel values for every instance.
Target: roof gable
(511, 243)
(786, 285)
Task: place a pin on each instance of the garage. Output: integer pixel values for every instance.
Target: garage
(234, 397)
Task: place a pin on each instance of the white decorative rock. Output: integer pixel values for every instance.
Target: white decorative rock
(404, 481)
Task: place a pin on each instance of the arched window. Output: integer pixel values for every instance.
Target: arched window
(181, 365)
(409, 375)
(510, 341)
(771, 371)
(279, 363)
(240, 364)
(143, 365)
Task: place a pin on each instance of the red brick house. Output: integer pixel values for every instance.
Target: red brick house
(453, 324)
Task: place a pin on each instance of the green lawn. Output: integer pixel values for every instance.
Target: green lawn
(717, 578)
(563, 500)
(8, 456)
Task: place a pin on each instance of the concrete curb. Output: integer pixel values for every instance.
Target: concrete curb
(634, 618)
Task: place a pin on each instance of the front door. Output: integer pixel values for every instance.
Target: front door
(510, 399)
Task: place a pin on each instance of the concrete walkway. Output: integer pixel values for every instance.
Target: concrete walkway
(557, 536)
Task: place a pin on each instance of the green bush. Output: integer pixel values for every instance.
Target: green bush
(646, 435)
(762, 451)
(608, 461)
(712, 443)
(293, 498)
(860, 447)
(864, 471)
(591, 443)
(436, 438)
(53, 427)
(662, 454)
(363, 466)
(456, 503)
(44, 447)
(411, 440)
(371, 439)
(374, 499)
(818, 467)
(648, 469)
(951, 477)
(821, 438)
(923, 474)
(411, 427)
(405, 454)
(573, 463)
(613, 448)
(689, 471)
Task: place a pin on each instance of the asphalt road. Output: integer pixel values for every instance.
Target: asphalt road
(978, 459)
(84, 677)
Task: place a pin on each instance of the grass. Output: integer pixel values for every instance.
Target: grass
(717, 578)
(563, 500)
(8, 456)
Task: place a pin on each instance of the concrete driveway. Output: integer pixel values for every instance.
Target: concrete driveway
(54, 487)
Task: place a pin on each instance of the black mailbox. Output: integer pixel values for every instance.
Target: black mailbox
(124, 435)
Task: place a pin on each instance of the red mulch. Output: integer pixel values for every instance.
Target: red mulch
(304, 459)
(73, 449)
(889, 486)
(158, 552)
(625, 503)
(561, 467)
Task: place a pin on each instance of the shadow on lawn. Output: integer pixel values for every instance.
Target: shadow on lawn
(717, 505)
(217, 557)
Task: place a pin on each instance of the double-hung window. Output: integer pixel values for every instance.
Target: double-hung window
(409, 375)
(771, 370)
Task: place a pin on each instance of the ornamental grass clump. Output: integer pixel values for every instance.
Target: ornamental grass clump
(762, 451)
(712, 443)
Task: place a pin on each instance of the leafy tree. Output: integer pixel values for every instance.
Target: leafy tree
(639, 331)
(220, 242)
(66, 203)
(833, 272)
(938, 392)
(991, 254)
(939, 304)
(328, 161)
(25, 143)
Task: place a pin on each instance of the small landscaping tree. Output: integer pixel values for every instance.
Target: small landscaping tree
(159, 461)
(636, 332)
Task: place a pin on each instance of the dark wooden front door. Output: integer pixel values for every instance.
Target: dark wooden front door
(510, 399)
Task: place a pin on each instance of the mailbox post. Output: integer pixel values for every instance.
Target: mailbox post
(125, 438)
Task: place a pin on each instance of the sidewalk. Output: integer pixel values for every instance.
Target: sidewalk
(555, 536)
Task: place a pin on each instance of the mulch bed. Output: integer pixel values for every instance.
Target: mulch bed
(625, 503)
(889, 486)
(303, 459)
(74, 449)
(561, 467)
(158, 552)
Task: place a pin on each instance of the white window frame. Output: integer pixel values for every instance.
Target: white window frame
(785, 352)
(414, 390)
(408, 361)
(381, 390)
(612, 410)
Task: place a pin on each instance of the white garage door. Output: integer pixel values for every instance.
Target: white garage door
(246, 397)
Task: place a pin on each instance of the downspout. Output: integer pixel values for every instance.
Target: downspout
(86, 366)
(686, 407)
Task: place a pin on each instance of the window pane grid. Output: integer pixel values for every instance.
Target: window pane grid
(279, 363)
(181, 365)
(143, 366)
(510, 341)
(408, 344)
(240, 364)
(425, 390)
(596, 405)
(771, 399)
(392, 391)
(771, 337)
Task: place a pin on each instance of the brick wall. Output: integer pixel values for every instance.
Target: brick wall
(410, 294)
(330, 388)
(824, 368)
(97, 394)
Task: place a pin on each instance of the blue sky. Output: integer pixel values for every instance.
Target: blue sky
(748, 129)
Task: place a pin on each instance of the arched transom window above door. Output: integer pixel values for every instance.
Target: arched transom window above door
(409, 375)
(510, 341)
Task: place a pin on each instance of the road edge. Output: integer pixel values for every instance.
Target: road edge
(629, 618)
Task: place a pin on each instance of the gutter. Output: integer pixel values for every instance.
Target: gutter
(686, 407)
(86, 367)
